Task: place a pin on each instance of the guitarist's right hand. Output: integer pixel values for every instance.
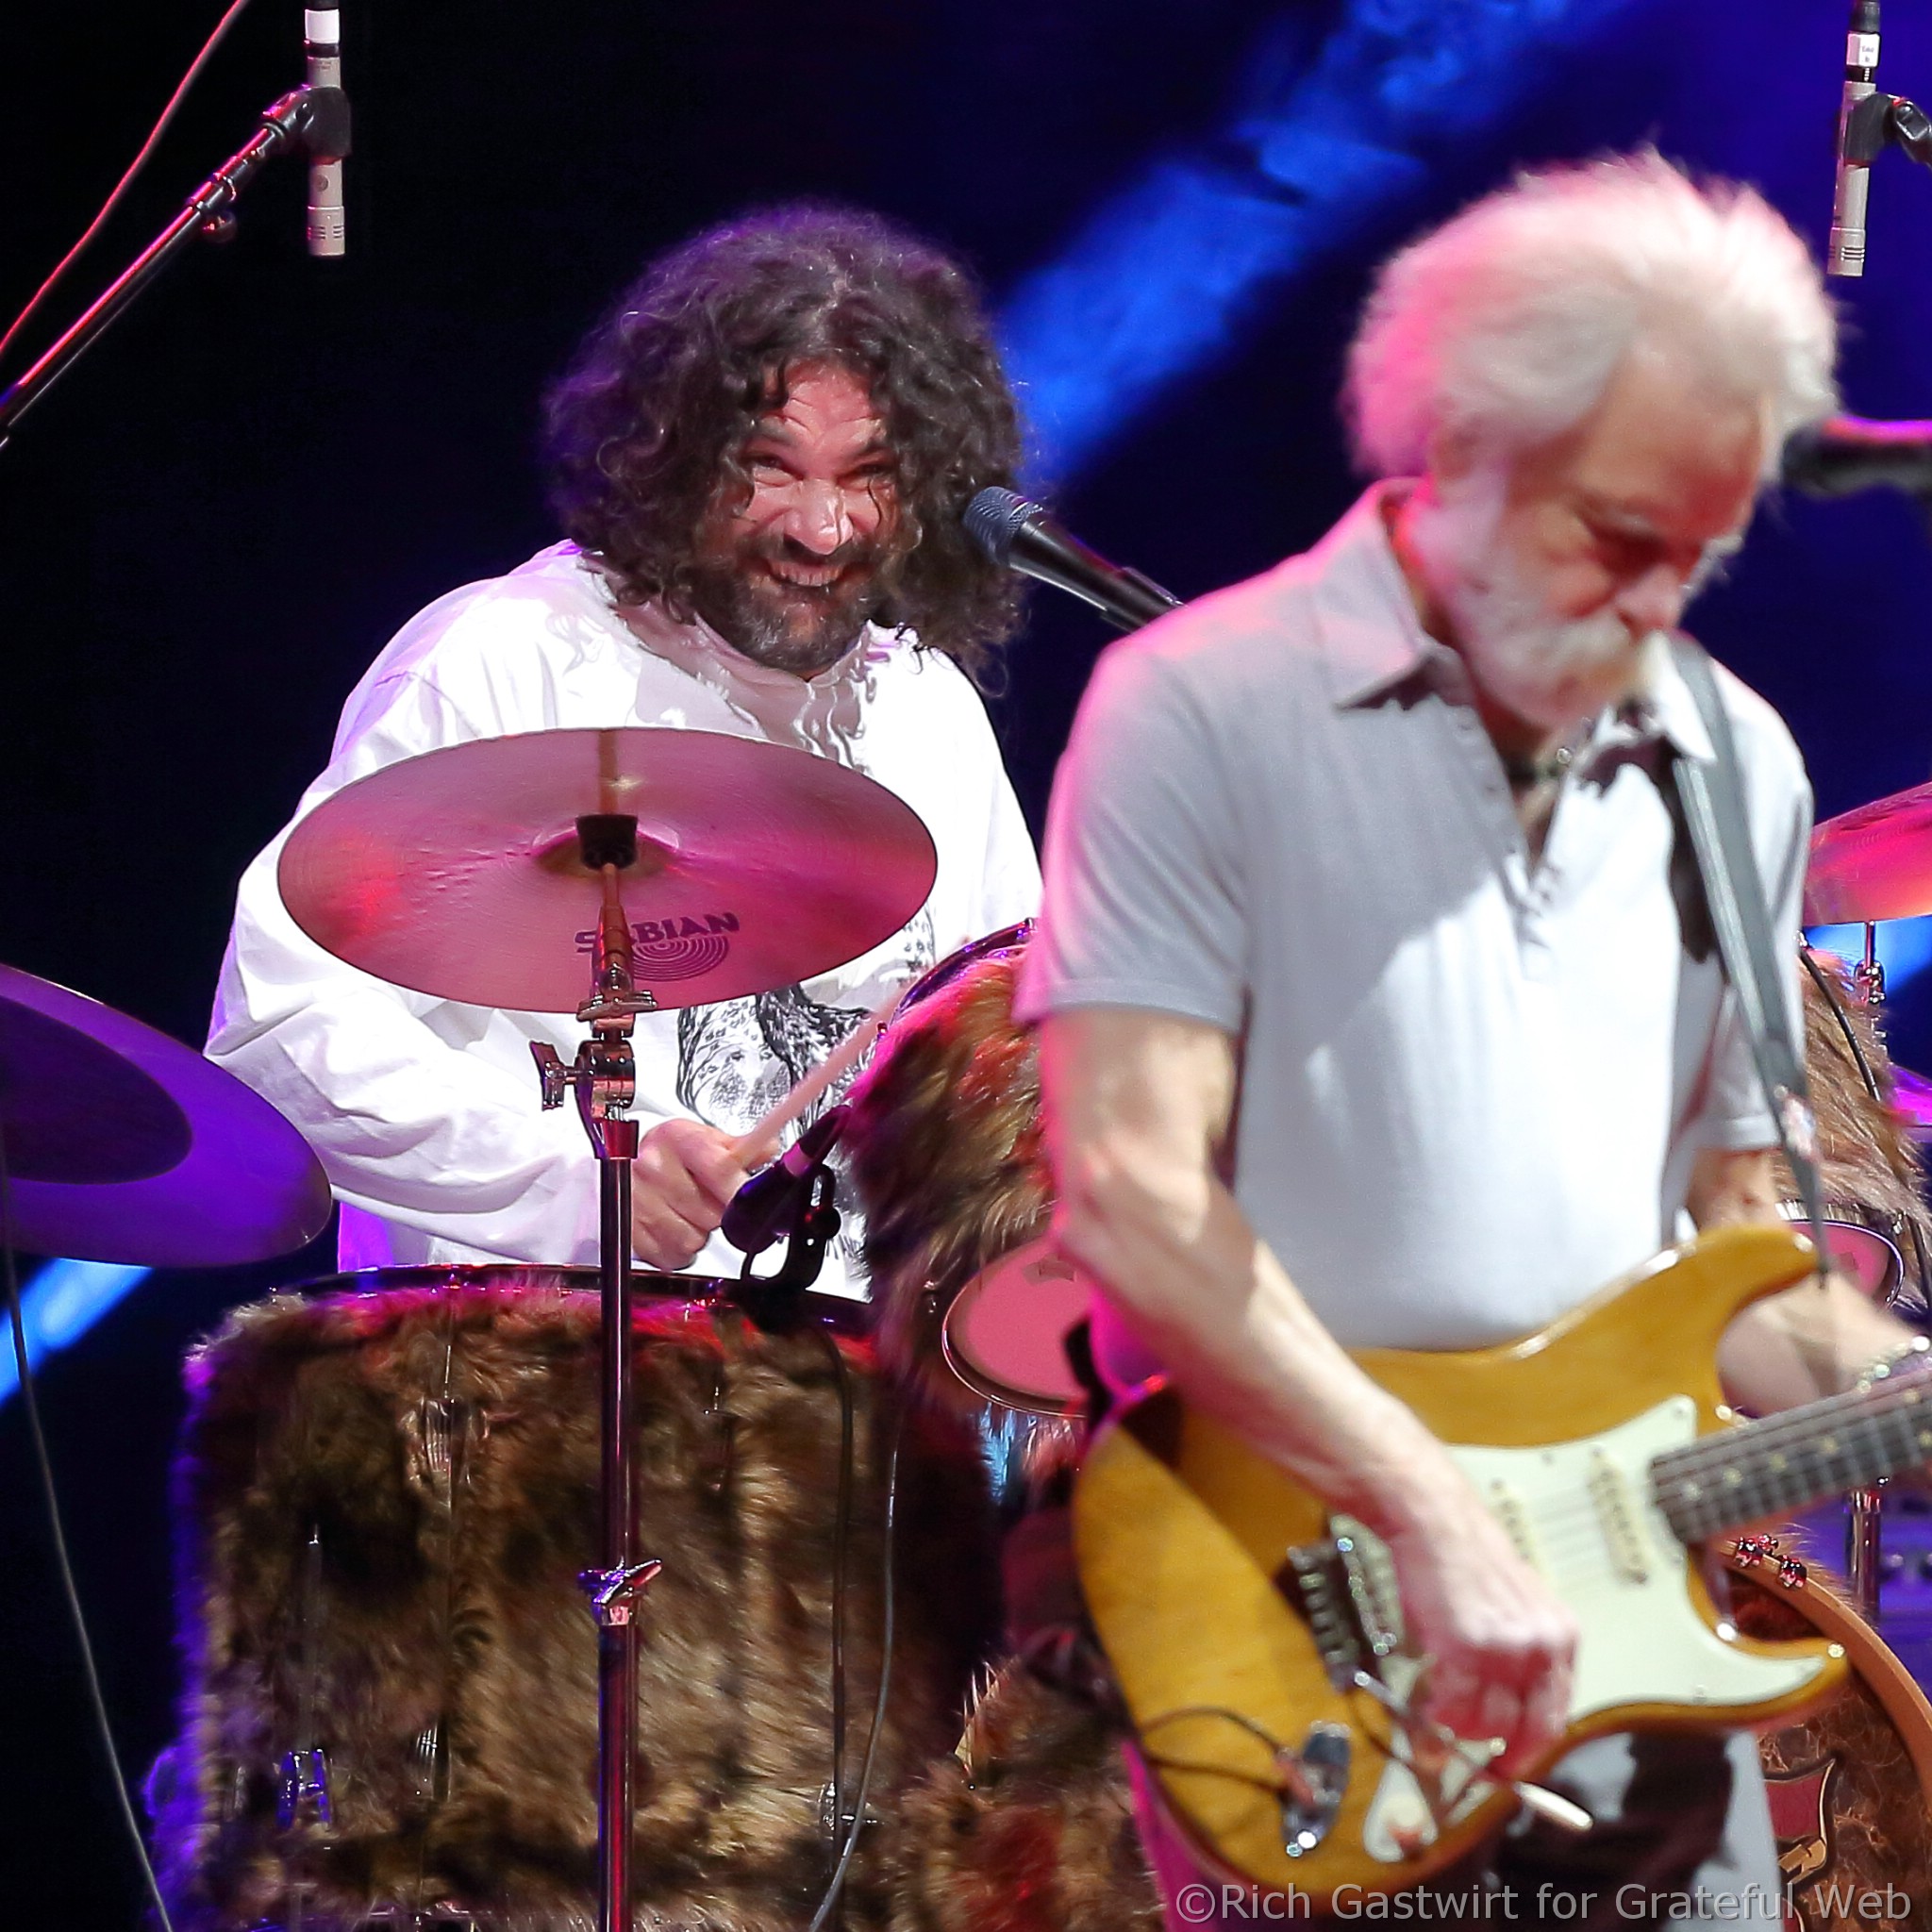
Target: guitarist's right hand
(1500, 1643)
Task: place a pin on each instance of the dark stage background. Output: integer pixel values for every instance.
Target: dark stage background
(212, 528)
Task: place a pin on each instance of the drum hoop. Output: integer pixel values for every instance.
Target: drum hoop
(992, 946)
(1794, 1211)
(1905, 1704)
(989, 1388)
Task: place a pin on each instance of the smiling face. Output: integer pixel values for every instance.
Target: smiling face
(789, 571)
(1550, 575)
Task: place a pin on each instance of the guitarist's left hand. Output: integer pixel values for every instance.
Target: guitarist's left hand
(1810, 1341)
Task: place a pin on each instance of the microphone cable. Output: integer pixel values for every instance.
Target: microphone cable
(44, 1467)
(214, 40)
(887, 1633)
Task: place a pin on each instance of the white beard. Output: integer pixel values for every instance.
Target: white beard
(1551, 675)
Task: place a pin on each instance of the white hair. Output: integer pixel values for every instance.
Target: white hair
(1505, 326)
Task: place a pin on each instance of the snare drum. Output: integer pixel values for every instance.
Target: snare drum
(385, 1496)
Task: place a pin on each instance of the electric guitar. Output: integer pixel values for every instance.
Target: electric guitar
(1258, 1638)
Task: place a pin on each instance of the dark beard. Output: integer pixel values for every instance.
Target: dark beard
(791, 628)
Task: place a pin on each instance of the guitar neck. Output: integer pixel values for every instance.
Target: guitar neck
(1737, 1476)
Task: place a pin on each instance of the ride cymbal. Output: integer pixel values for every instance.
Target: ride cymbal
(459, 873)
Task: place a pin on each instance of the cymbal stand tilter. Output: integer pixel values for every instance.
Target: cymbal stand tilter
(605, 1076)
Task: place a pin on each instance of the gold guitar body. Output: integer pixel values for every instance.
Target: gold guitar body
(1182, 1534)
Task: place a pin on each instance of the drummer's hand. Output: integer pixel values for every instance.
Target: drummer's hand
(682, 1180)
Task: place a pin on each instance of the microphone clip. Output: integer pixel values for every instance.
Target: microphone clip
(323, 123)
(776, 1303)
(792, 1200)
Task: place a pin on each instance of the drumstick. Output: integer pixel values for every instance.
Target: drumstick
(758, 1144)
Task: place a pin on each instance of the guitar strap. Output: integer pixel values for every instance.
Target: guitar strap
(1712, 794)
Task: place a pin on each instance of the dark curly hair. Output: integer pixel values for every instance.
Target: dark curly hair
(646, 430)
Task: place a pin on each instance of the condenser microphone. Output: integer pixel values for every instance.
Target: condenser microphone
(1846, 254)
(1850, 453)
(760, 1209)
(326, 129)
(1020, 536)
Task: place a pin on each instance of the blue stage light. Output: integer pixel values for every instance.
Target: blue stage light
(1331, 151)
(60, 1304)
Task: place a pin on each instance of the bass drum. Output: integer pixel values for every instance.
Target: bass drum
(386, 1492)
(1849, 1787)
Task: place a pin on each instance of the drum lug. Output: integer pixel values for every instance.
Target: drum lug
(837, 1827)
(305, 1796)
(615, 1593)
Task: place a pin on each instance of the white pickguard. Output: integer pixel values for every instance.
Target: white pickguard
(1582, 1513)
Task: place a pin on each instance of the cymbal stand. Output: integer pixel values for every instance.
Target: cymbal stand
(605, 1076)
(1864, 1515)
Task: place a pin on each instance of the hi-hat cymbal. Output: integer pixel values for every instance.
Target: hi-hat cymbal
(123, 1145)
(458, 872)
(1873, 863)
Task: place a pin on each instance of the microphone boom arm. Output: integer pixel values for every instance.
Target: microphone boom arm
(312, 119)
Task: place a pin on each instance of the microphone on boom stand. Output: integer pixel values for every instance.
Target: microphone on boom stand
(1022, 536)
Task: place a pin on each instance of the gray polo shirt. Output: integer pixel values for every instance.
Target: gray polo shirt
(1472, 1087)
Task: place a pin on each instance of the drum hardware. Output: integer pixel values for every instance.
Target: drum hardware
(603, 1076)
(303, 1790)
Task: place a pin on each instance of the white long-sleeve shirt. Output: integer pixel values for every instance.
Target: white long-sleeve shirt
(425, 1111)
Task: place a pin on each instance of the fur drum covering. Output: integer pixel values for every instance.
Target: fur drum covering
(440, 1446)
(1872, 1171)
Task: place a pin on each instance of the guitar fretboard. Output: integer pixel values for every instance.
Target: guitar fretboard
(1724, 1481)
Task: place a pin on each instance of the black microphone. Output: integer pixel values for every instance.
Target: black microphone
(1849, 453)
(1846, 254)
(325, 129)
(1021, 536)
(760, 1209)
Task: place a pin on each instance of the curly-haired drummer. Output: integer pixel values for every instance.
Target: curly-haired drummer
(760, 460)
(1369, 1015)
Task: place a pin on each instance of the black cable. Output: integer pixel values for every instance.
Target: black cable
(841, 1533)
(878, 1709)
(9, 1274)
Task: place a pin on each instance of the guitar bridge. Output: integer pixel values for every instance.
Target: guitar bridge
(1345, 1587)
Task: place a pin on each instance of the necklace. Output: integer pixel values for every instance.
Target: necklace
(1525, 774)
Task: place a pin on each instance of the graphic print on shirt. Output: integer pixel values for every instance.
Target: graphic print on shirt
(736, 1059)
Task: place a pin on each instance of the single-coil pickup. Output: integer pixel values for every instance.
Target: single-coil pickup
(1616, 1513)
(1506, 1505)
